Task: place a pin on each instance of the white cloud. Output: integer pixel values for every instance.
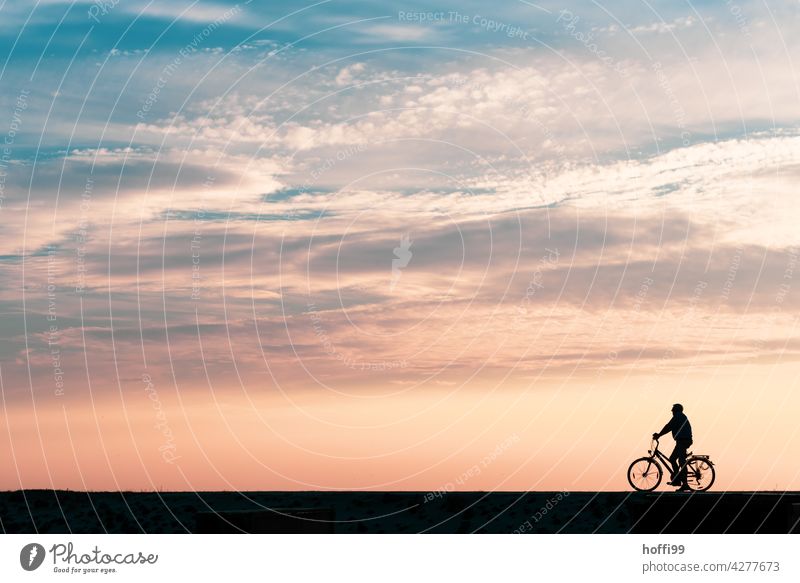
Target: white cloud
(662, 27)
(347, 75)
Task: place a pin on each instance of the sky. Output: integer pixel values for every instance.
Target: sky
(396, 245)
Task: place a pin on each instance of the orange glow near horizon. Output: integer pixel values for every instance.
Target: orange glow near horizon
(551, 437)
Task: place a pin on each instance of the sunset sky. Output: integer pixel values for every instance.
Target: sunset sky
(396, 245)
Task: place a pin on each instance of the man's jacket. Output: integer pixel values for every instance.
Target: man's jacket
(679, 426)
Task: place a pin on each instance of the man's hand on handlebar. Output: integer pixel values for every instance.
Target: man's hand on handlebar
(656, 436)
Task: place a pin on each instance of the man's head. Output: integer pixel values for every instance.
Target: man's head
(677, 408)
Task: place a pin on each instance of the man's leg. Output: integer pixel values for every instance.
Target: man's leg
(678, 459)
(673, 459)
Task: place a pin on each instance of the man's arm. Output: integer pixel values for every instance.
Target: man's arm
(667, 429)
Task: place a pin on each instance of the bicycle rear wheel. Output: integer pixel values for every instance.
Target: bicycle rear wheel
(700, 474)
(644, 474)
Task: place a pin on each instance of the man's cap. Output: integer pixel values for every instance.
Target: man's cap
(677, 407)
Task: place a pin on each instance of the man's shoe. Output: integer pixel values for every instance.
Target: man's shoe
(684, 488)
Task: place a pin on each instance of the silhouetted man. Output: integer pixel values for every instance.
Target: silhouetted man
(682, 434)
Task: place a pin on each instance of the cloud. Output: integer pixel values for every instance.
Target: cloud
(664, 27)
(345, 76)
(482, 158)
(198, 12)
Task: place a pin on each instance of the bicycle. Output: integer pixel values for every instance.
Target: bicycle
(645, 473)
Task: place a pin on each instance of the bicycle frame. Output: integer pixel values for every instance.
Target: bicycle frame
(658, 455)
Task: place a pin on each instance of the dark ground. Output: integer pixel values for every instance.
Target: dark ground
(48, 511)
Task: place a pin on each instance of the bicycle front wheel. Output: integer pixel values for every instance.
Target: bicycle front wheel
(644, 474)
(700, 474)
